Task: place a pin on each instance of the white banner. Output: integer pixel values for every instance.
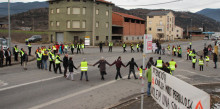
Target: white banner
(172, 93)
(148, 43)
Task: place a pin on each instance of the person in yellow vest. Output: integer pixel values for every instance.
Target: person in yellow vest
(124, 47)
(132, 48)
(168, 49)
(26, 41)
(29, 49)
(201, 63)
(174, 51)
(72, 48)
(190, 54)
(82, 48)
(84, 68)
(21, 55)
(140, 72)
(66, 48)
(207, 59)
(15, 51)
(137, 47)
(39, 59)
(52, 60)
(188, 51)
(54, 49)
(194, 60)
(110, 46)
(44, 60)
(57, 62)
(159, 63)
(172, 66)
(190, 45)
(49, 49)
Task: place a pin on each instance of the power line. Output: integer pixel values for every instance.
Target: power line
(155, 3)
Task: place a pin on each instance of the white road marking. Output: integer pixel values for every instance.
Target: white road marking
(194, 73)
(181, 76)
(74, 94)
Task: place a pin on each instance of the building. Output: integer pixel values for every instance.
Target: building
(178, 32)
(161, 24)
(127, 28)
(73, 20)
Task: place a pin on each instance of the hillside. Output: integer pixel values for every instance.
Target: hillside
(39, 17)
(212, 13)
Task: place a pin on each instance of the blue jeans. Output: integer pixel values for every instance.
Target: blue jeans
(44, 64)
(148, 88)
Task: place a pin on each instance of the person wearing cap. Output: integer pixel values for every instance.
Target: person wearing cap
(102, 67)
(84, 68)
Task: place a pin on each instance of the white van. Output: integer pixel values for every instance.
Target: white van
(3, 43)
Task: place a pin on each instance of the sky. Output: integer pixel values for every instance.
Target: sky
(181, 5)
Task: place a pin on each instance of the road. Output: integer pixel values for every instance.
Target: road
(36, 88)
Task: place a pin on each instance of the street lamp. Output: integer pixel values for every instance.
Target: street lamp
(9, 25)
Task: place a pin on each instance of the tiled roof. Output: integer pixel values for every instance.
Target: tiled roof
(103, 1)
(158, 13)
(129, 16)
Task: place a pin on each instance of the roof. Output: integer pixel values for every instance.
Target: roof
(158, 13)
(103, 1)
(129, 16)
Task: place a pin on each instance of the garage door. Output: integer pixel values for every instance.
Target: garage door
(59, 37)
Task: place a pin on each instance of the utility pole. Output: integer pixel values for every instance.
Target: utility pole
(93, 24)
(109, 24)
(143, 75)
(9, 24)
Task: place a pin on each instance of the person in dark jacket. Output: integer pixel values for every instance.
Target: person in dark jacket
(118, 63)
(132, 65)
(215, 59)
(205, 51)
(8, 56)
(71, 67)
(100, 47)
(150, 63)
(102, 67)
(65, 64)
(44, 60)
(166, 68)
(1, 57)
(25, 60)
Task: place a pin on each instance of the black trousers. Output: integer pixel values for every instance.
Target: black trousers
(39, 65)
(16, 57)
(72, 50)
(102, 74)
(101, 50)
(1, 62)
(29, 51)
(187, 57)
(110, 49)
(190, 46)
(133, 71)
(137, 49)
(65, 70)
(78, 50)
(118, 73)
(124, 49)
(141, 49)
(201, 67)
(194, 65)
(53, 63)
(132, 50)
(58, 67)
(21, 61)
(8, 60)
(85, 75)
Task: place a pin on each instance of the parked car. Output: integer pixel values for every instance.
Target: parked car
(3, 43)
(35, 38)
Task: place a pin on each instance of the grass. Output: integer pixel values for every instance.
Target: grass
(23, 32)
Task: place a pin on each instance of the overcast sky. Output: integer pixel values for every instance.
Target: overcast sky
(184, 5)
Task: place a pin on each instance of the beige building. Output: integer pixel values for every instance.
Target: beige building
(178, 32)
(161, 24)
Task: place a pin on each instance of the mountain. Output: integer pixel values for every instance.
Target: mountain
(20, 7)
(212, 13)
(39, 17)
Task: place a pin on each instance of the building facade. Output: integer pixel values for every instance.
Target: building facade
(161, 24)
(178, 32)
(127, 28)
(73, 20)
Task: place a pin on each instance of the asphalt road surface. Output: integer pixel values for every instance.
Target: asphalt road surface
(36, 88)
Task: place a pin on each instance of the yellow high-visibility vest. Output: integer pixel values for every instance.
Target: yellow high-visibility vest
(159, 64)
(201, 62)
(172, 65)
(84, 66)
(57, 61)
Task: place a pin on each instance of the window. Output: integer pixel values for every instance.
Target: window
(97, 24)
(126, 19)
(161, 23)
(84, 11)
(150, 22)
(177, 35)
(107, 12)
(68, 10)
(97, 38)
(106, 38)
(137, 38)
(149, 28)
(51, 23)
(126, 38)
(97, 11)
(76, 10)
(159, 29)
(58, 23)
(68, 24)
(51, 11)
(107, 25)
(58, 10)
(151, 16)
(83, 24)
(177, 30)
(76, 24)
(76, 38)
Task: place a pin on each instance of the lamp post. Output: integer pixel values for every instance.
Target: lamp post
(9, 25)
